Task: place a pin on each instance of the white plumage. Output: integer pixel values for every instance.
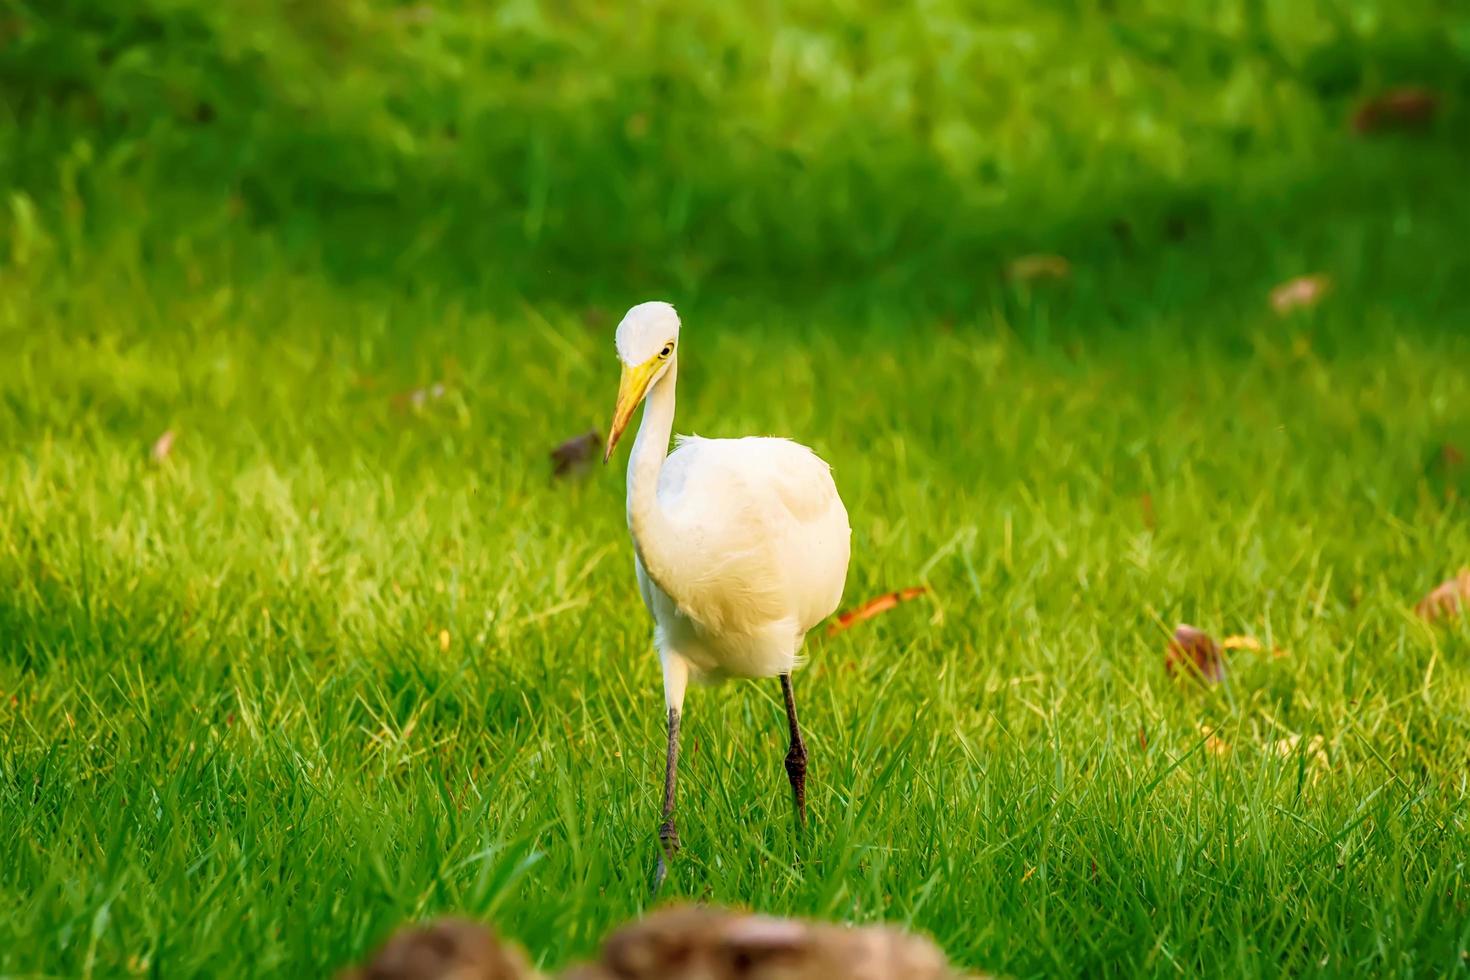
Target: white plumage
(765, 538)
(741, 545)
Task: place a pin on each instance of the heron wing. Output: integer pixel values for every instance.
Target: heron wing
(764, 529)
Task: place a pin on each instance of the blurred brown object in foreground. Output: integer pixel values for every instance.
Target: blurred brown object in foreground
(1399, 108)
(450, 949)
(696, 943)
(684, 942)
(1448, 599)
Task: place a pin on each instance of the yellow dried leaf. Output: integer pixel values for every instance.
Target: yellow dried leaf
(1214, 744)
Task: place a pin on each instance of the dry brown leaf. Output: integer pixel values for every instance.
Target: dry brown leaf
(575, 455)
(1193, 653)
(1030, 268)
(874, 607)
(1446, 600)
(450, 949)
(1410, 107)
(1301, 293)
(162, 446)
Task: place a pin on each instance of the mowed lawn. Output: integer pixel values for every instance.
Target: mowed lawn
(346, 654)
(300, 639)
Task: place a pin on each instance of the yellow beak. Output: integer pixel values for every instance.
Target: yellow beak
(631, 389)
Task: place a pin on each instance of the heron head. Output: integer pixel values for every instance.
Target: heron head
(646, 340)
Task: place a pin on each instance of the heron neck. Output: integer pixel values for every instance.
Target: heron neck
(653, 535)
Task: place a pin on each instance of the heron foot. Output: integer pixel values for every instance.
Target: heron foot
(668, 846)
(796, 773)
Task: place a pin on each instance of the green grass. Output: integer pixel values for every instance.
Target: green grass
(233, 745)
(231, 741)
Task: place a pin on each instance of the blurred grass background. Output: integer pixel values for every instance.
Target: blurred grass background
(560, 150)
(346, 655)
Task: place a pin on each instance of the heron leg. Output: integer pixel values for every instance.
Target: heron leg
(796, 755)
(676, 678)
(668, 833)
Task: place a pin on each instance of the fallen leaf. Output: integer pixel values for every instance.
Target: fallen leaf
(1410, 107)
(1030, 268)
(1446, 600)
(1214, 744)
(1250, 643)
(1315, 751)
(575, 455)
(874, 607)
(1301, 293)
(1193, 653)
(162, 446)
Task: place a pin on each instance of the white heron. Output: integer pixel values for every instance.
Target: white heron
(740, 546)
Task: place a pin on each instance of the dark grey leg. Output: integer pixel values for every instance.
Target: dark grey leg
(796, 756)
(668, 834)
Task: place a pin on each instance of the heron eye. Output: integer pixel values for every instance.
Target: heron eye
(668, 349)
